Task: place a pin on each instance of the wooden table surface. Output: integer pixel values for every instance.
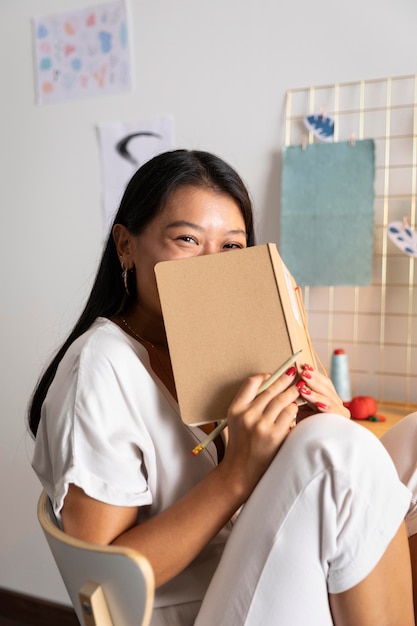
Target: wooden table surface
(393, 412)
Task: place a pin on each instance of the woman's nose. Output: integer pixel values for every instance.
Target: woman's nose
(209, 247)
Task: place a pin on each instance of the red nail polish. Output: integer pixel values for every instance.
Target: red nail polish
(302, 388)
(321, 406)
(291, 371)
(306, 374)
(306, 366)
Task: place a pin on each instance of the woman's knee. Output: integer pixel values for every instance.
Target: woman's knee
(330, 445)
(332, 440)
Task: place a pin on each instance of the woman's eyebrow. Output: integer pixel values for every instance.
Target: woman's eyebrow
(186, 224)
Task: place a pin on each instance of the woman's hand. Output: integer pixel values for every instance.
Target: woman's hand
(258, 424)
(318, 390)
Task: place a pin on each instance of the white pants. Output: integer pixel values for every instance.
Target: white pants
(317, 523)
(401, 443)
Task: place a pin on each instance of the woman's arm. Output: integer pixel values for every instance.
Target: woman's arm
(257, 427)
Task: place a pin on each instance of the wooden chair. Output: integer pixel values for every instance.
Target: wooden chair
(108, 585)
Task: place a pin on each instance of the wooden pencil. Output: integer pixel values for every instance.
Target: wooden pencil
(222, 425)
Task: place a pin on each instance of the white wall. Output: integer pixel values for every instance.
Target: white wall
(221, 68)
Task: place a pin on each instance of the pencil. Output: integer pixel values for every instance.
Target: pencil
(222, 425)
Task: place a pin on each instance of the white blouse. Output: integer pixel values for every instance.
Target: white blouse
(111, 427)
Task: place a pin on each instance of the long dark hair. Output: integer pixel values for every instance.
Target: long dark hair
(145, 195)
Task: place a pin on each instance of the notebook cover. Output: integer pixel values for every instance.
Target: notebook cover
(228, 316)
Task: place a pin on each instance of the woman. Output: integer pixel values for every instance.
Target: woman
(320, 538)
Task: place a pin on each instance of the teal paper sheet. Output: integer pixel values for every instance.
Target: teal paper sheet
(327, 212)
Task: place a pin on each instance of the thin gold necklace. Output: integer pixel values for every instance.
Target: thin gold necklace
(153, 346)
(137, 334)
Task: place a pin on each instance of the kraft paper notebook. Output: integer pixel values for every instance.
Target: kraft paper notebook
(228, 316)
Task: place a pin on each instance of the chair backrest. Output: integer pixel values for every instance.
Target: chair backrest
(108, 585)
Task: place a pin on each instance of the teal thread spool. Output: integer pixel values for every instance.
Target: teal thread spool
(339, 374)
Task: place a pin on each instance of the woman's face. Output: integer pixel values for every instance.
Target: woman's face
(194, 221)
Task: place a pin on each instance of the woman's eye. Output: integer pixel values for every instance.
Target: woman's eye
(233, 246)
(188, 239)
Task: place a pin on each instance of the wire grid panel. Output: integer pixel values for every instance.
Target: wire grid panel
(376, 325)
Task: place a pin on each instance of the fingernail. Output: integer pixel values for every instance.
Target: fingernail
(291, 371)
(302, 388)
(306, 366)
(321, 406)
(306, 374)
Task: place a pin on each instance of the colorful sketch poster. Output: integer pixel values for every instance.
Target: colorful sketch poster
(82, 53)
(125, 146)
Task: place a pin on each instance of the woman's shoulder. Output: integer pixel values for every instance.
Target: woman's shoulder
(102, 336)
(101, 359)
(104, 347)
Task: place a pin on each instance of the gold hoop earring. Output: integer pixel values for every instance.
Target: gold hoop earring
(125, 277)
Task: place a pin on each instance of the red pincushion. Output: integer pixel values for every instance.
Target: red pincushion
(361, 407)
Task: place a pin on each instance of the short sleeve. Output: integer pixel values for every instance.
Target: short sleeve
(92, 433)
